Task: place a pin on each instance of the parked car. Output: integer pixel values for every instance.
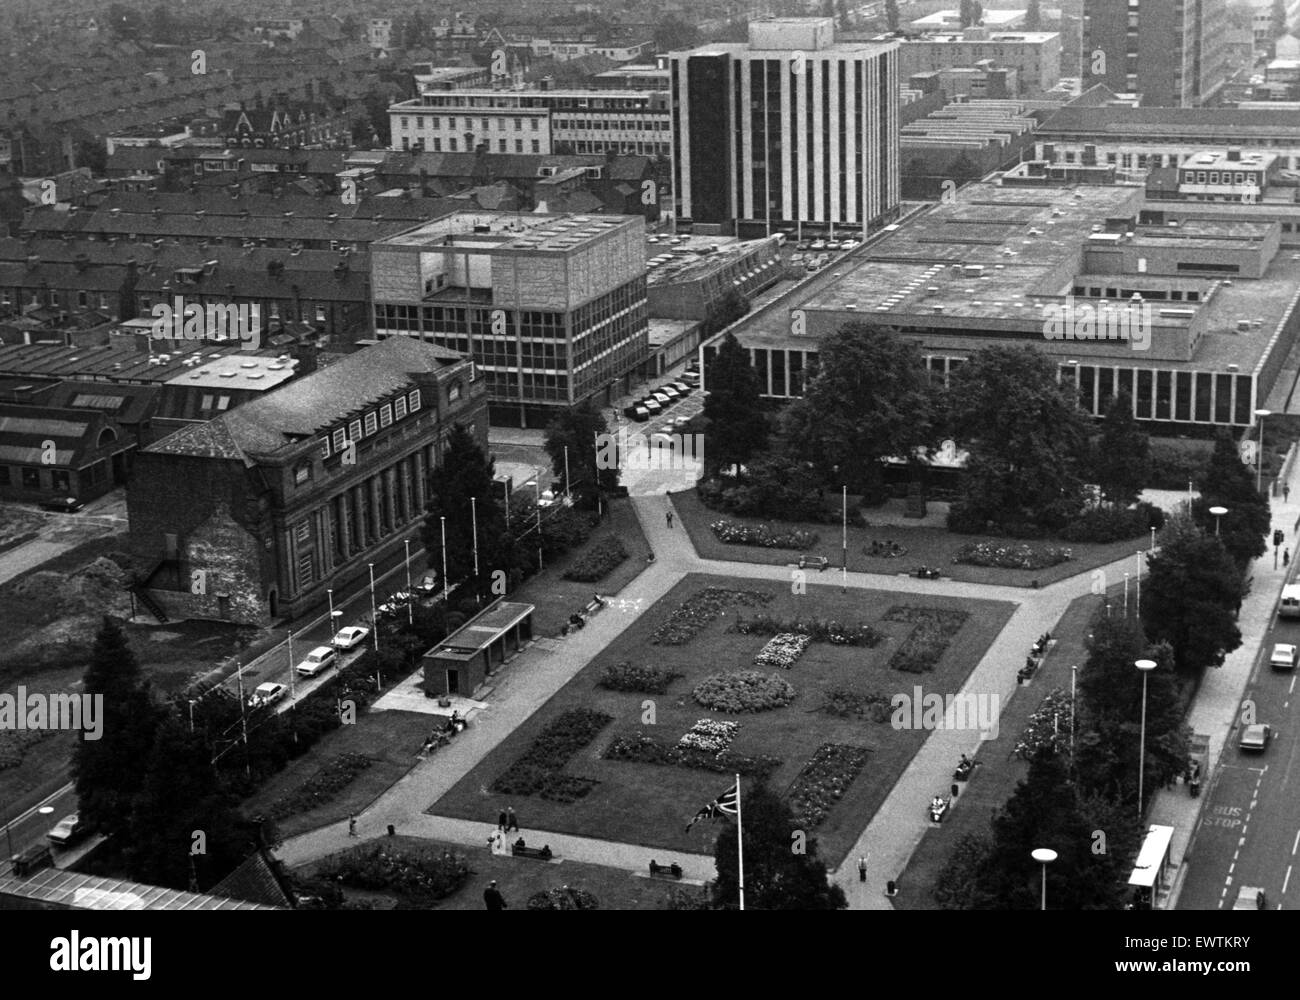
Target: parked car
(683, 388)
(833, 245)
(63, 505)
(813, 265)
(803, 245)
(652, 406)
(639, 413)
(268, 694)
(1284, 656)
(850, 245)
(692, 378)
(350, 637)
(818, 245)
(669, 391)
(1250, 897)
(66, 830)
(1256, 737)
(663, 399)
(320, 658)
(428, 585)
(33, 858)
(796, 259)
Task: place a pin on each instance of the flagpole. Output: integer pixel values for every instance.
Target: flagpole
(740, 847)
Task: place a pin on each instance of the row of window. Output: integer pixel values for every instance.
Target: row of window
(370, 424)
(435, 124)
(622, 124)
(535, 145)
(1229, 177)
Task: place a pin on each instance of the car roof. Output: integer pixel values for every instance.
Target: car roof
(1284, 645)
(320, 649)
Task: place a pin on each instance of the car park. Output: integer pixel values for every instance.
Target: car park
(66, 830)
(680, 423)
(320, 658)
(350, 637)
(1283, 657)
(1256, 737)
(663, 399)
(267, 694)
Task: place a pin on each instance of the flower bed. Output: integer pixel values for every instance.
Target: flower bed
(742, 691)
(734, 533)
(933, 629)
(419, 874)
(817, 630)
(824, 780)
(626, 676)
(322, 786)
(538, 770)
(564, 898)
(782, 651)
(1005, 556)
(701, 608)
(710, 735)
(596, 563)
(1049, 726)
(855, 705)
(642, 748)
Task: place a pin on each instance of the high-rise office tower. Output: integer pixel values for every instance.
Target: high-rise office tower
(1169, 51)
(791, 129)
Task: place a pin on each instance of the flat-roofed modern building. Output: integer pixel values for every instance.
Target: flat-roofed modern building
(791, 129)
(552, 308)
(1195, 320)
(1172, 52)
(1034, 55)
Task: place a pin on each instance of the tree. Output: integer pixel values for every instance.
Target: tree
(466, 474)
(736, 428)
(869, 400)
(1230, 483)
(583, 431)
(1027, 439)
(106, 771)
(182, 827)
(969, 13)
(1110, 713)
(1279, 20)
(892, 18)
(776, 878)
(1121, 461)
(1192, 595)
(726, 311)
(1034, 16)
(92, 154)
(674, 34)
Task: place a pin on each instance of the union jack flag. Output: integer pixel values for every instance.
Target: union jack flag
(726, 803)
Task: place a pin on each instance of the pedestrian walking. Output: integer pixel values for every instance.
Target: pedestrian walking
(512, 821)
(352, 825)
(501, 820)
(670, 518)
(862, 869)
(1286, 492)
(492, 897)
(1286, 557)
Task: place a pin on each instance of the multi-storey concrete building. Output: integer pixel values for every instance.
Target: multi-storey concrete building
(790, 129)
(269, 504)
(1034, 55)
(1169, 51)
(552, 308)
(533, 121)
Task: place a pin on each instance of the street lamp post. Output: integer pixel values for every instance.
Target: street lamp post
(1146, 666)
(1218, 512)
(292, 692)
(1137, 582)
(374, 615)
(330, 594)
(844, 540)
(1259, 458)
(1074, 680)
(1125, 595)
(537, 487)
(473, 515)
(410, 604)
(1044, 856)
(442, 522)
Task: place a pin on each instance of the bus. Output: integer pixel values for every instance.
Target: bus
(1290, 606)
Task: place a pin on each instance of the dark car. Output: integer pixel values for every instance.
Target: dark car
(63, 505)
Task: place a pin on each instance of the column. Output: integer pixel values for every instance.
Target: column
(390, 497)
(404, 489)
(420, 470)
(345, 523)
(375, 508)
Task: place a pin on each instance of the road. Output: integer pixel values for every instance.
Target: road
(1249, 831)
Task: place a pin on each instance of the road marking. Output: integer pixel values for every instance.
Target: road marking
(1295, 843)
(1286, 881)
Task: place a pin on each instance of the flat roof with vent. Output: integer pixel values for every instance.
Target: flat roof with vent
(486, 232)
(245, 371)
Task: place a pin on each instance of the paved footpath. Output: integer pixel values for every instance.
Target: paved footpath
(546, 666)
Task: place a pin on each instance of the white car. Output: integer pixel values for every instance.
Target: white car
(1256, 737)
(350, 637)
(317, 660)
(1284, 656)
(818, 245)
(267, 694)
(66, 831)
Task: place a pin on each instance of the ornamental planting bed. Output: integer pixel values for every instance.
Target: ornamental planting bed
(744, 691)
(538, 771)
(735, 533)
(816, 629)
(627, 676)
(849, 704)
(782, 650)
(824, 781)
(1012, 555)
(647, 786)
(933, 630)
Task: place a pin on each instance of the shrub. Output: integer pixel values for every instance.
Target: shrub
(417, 873)
(1112, 524)
(1175, 463)
(625, 676)
(1011, 556)
(735, 533)
(824, 780)
(744, 691)
(698, 610)
(817, 630)
(597, 562)
(538, 770)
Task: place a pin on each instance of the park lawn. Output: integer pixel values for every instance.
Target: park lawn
(555, 598)
(1000, 770)
(651, 804)
(391, 740)
(519, 878)
(925, 547)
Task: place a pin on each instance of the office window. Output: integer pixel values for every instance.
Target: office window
(536, 124)
(501, 145)
(436, 123)
(354, 430)
(340, 439)
(206, 402)
(372, 422)
(406, 123)
(223, 403)
(302, 531)
(324, 447)
(413, 398)
(537, 146)
(452, 144)
(302, 473)
(519, 145)
(453, 392)
(437, 145)
(519, 124)
(399, 408)
(385, 415)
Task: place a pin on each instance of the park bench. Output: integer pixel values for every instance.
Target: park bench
(519, 850)
(673, 871)
(821, 562)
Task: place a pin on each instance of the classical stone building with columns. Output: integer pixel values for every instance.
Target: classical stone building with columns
(249, 517)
